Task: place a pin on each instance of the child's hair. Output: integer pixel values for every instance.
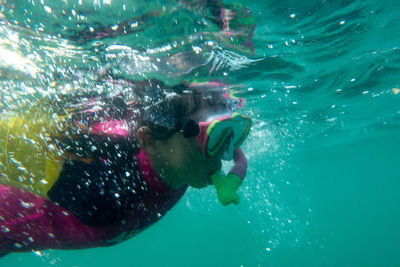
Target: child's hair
(162, 115)
(151, 103)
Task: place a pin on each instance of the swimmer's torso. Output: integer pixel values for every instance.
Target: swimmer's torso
(77, 198)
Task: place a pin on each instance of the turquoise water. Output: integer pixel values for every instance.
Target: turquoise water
(323, 154)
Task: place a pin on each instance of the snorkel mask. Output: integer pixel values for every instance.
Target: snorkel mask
(222, 135)
(219, 136)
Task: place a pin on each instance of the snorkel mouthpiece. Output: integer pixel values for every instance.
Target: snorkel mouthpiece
(227, 185)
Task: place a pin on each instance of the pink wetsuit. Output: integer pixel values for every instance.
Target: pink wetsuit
(28, 221)
(92, 204)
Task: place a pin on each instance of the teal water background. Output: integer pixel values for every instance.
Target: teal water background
(323, 155)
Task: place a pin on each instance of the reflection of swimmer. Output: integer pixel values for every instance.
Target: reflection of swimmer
(230, 24)
(105, 172)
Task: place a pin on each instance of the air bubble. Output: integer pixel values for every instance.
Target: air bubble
(17, 245)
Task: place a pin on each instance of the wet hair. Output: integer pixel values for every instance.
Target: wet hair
(171, 114)
(167, 116)
(164, 109)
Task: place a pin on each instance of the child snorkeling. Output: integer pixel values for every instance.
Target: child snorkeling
(106, 168)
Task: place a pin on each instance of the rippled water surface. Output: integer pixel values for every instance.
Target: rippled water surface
(322, 85)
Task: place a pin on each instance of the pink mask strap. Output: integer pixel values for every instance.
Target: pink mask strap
(202, 137)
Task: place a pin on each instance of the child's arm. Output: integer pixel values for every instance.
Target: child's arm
(28, 221)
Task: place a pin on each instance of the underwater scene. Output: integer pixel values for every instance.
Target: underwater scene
(316, 81)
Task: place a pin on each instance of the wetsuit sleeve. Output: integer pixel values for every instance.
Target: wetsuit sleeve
(100, 193)
(29, 221)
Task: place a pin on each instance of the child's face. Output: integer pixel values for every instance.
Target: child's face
(181, 161)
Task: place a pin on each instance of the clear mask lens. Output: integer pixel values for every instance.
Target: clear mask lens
(228, 148)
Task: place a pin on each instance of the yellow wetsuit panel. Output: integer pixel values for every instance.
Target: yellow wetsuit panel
(28, 159)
